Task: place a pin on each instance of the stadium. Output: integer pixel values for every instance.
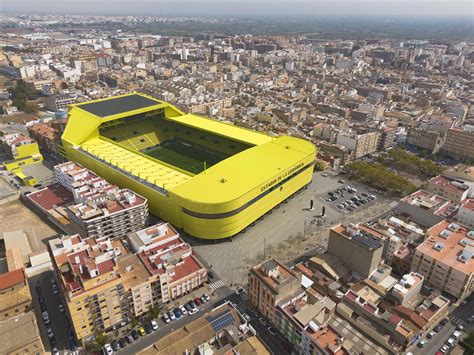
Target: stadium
(208, 178)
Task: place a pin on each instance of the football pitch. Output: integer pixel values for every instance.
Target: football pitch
(184, 155)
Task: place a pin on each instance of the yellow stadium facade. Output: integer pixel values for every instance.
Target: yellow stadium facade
(208, 178)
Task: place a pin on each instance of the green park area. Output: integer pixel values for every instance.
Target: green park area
(380, 177)
(403, 161)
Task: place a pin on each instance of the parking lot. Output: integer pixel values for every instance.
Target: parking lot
(348, 198)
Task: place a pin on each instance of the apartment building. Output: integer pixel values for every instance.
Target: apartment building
(445, 258)
(18, 326)
(270, 282)
(407, 287)
(360, 144)
(431, 141)
(459, 143)
(169, 260)
(359, 250)
(59, 102)
(304, 320)
(465, 213)
(101, 210)
(449, 188)
(105, 285)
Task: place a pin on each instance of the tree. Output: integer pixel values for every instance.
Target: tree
(467, 344)
(101, 339)
(153, 312)
(31, 107)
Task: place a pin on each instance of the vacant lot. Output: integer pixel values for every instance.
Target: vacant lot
(16, 216)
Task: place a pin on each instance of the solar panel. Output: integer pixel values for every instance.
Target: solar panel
(370, 242)
(118, 105)
(221, 320)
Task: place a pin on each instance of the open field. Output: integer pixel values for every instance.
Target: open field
(184, 156)
(16, 216)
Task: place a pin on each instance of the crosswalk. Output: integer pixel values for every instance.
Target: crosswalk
(455, 320)
(218, 284)
(244, 296)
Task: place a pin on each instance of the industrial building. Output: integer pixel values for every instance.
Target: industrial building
(209, 178)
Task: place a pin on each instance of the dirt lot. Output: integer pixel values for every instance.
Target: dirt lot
(16, 216)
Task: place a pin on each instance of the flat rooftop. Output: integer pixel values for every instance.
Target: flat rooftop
(52, 196)
(114, 106)
(19, 332)
(451, 242)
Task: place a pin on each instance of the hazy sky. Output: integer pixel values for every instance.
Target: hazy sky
(412, 8)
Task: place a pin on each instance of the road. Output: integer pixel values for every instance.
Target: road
(59, 321)
(164, 329)
(458, 316)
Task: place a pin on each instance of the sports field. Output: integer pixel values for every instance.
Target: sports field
(184, 155)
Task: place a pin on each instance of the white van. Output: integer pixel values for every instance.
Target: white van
(456, 334)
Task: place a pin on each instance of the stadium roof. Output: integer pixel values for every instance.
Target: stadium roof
(116, 105)
(228, 180)
(222, 129)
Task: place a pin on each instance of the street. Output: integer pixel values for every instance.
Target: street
(60, 323)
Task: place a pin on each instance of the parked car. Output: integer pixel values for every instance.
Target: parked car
(171, 315)
(262, 321)
(450, 342)
(444, 349)
(46, 319)
(207, 297)
(115, 345)
(444, 321)
(422, 343)
(456, 334)
(154, 324)
(141, 331)
(240, 291)
(324, 175)
(272, 331)
(55, 351)
(61, 308)
(108, 349)
(431, 335)
(166, 318)
(177, 313)
(130, 339)
(148, 328)
(197, 301)
(122, 342)
(247, 317)
(55, 289)
(135, 334)
(188, 307)
(183, 310)
(49, 331)
(437, 328)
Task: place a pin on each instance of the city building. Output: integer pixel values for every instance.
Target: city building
(18, 326)
(214, 196)
(359, 250)
(445, 258)
(82, 202)
(59, 102)
(270, 282)
(449, 188)
(408, 287)
(459, 143)
(465, 213)
(430, 141)
(20, 150)
(105, 285)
